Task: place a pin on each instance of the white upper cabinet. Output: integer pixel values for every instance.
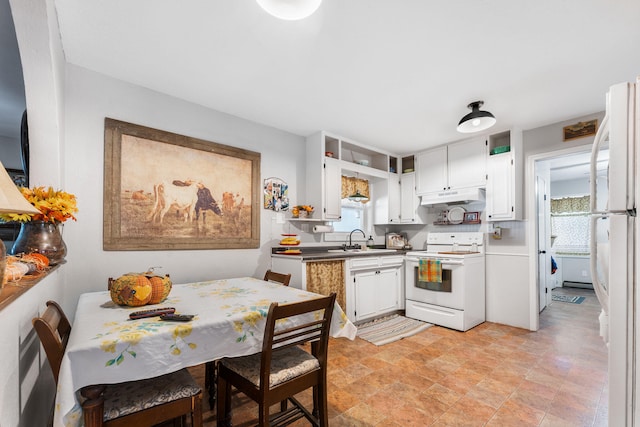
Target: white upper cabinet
(399, 203)
(432, 171)
(332, 190)
(323, 177)
(453, 166)
(467, 163)
(409, 201)
(505, 176)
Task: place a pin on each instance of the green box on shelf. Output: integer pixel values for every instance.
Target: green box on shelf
(501, 149)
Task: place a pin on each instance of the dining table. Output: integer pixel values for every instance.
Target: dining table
(107, 347)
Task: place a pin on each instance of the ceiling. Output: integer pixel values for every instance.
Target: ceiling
(394, 75)
(577, 166)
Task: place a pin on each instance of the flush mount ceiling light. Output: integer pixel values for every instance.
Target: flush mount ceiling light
(476, 120)
(290, 10)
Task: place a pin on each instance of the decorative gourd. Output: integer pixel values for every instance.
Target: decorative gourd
(132, 289)
(160, 287)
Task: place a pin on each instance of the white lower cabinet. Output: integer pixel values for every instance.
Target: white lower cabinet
(374, 284)
(376, 292)
(374, 287)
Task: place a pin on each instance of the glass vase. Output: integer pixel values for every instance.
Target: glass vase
(41, 237)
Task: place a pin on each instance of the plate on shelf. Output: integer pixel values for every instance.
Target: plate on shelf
(456, 215)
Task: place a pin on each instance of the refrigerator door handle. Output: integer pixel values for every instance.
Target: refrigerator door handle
(603, 132)
(598, 287)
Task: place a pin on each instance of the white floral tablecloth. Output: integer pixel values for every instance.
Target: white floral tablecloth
(106, 347)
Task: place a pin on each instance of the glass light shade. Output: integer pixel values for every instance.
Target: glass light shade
(477, 120)
(290, 10)
(11, 199)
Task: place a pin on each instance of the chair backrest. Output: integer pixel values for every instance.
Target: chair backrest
(314, 330)
(53, 329)
(272, 276)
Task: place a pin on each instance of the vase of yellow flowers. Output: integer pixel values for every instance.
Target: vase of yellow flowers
(40, 233)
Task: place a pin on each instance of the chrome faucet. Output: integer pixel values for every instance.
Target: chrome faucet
(351, 234)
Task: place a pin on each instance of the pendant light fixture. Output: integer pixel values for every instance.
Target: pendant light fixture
(476, 120)
(357, 197)
(290, 10)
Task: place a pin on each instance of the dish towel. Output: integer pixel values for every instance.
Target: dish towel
(430, 270)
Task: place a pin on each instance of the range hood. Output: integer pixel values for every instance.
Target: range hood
(450, 197)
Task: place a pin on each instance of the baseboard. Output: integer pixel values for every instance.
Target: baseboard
(583, 285)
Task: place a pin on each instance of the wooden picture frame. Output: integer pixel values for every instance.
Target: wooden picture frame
(471, 218)
(579, 130)
(164, 191)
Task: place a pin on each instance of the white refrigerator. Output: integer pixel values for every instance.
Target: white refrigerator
(614, 251)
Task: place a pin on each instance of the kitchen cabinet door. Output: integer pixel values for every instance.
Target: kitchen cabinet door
(377, 292)
(409, 201)
(432, 171)
(366, 294)
(395, 198)
(466, 164)
(332, 190)
(500, 188)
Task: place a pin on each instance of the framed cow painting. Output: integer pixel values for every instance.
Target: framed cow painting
(164, 191)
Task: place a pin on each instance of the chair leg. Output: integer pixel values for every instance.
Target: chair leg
(263, 415)
(196, 411)
(224, 403)
(210, 381)
(321, 411)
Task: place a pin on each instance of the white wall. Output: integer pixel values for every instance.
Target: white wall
(26, 383)
(67, 107)
(570, 188)
(90, 97)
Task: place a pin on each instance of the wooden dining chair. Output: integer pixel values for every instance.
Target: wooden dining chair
(210, 368)
(272, 276)
(135, 403)
(283, 368)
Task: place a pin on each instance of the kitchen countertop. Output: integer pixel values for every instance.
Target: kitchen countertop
(331, 252)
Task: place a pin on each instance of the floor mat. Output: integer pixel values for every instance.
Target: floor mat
(389, 329)
(568, 298)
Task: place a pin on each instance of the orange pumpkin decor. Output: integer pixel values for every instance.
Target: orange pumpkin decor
(160, 287)
(132, 289)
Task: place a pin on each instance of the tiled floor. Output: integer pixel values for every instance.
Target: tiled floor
(492, 375)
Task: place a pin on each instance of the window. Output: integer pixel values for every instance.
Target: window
(570, 223)
(353, 216)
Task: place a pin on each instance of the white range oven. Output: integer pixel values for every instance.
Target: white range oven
(457, 301)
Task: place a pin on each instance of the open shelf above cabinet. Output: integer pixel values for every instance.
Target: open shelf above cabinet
(359, 158)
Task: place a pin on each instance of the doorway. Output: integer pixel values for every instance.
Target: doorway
(539, 175)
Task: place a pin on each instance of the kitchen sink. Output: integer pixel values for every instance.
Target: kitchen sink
(363, 251)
